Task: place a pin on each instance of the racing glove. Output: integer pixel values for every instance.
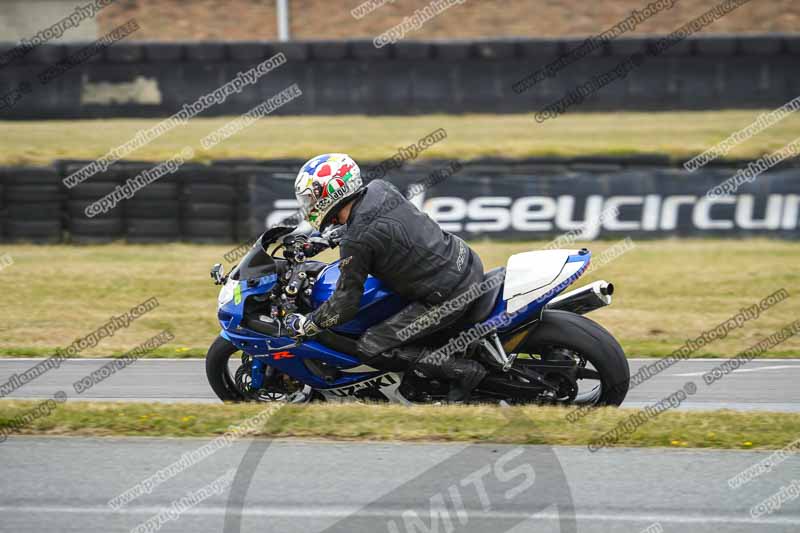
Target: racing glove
(300, 326)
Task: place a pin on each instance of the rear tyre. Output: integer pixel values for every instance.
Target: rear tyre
(564, 334)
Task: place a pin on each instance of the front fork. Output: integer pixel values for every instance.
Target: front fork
(257, 371)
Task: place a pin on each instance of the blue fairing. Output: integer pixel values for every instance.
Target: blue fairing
(230, 315)
(377, 303)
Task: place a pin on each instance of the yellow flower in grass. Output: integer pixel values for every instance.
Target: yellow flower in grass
(747, 443)
(181, 349)
(186, 418)
(675, 442)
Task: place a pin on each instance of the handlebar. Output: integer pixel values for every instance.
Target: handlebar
(300, 246)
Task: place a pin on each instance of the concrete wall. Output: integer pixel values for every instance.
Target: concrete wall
(22, 19)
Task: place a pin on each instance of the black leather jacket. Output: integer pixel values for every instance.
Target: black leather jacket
(388, 237)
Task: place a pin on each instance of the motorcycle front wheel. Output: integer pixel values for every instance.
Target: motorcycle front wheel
(218, 374)
(233, 385)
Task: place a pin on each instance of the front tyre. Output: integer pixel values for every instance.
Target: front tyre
(217, 372)
(603, 373)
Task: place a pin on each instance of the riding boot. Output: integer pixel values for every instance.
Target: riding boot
(396, 359)
(462, 374)
(468, 374)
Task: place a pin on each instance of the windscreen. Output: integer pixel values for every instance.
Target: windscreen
(256, 264)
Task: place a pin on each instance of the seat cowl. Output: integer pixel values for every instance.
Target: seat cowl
(529, 271)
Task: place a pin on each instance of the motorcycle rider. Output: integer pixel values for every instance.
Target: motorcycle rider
(388, 237)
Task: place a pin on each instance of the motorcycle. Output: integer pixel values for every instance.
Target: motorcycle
(533, 340)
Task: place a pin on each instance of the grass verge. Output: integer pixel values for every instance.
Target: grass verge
(677, 134)
(667, 291)
(519, 425)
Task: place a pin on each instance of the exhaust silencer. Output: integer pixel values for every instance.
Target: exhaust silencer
(585, 299)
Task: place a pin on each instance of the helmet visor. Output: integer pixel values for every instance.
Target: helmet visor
(306, 201)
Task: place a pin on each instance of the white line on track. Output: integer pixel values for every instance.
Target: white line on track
(738, 370)
(351, 512)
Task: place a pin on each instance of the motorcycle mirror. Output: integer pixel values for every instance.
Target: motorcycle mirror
(218, 274)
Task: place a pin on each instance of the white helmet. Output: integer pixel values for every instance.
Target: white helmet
(323, 183)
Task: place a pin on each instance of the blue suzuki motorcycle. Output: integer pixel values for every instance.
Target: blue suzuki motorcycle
(533, 339)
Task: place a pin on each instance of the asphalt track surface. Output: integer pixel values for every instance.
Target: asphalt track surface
(64, 485)
(764, 384)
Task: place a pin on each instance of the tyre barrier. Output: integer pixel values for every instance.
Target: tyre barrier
(33, 200)
(235, 200)
(3, 211)
(98, 229)
(197, 204)
(209, 210)
(415, 76)
(153, 214)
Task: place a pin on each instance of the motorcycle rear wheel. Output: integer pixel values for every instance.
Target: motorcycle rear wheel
(566, 334)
